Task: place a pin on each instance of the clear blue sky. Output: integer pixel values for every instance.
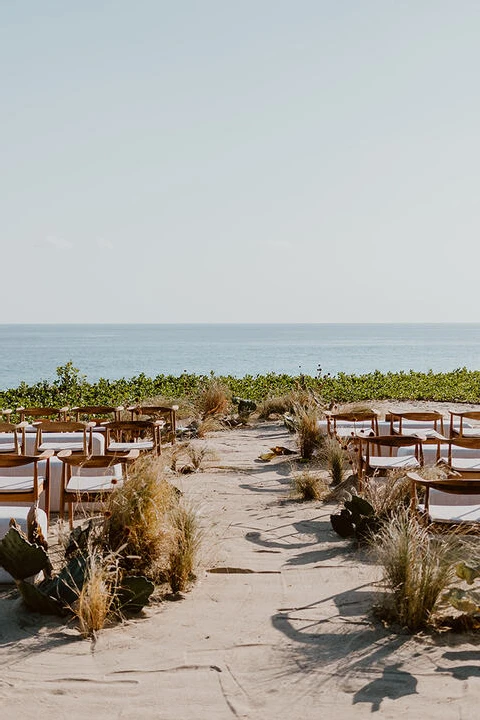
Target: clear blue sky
(240, 161)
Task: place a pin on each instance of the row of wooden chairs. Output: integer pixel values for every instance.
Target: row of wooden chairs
(124, 441)
(98, 414)
(340, 424)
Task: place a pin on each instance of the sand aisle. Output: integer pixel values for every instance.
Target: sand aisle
(289, 637)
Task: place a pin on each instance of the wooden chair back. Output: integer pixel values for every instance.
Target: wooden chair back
(13, 430)
(98, 414)
(61, 426)
(157, 412)
(461, 416)
(42, 412)
(131, 431)
(11, 494)
(353, 417)
(433, 417)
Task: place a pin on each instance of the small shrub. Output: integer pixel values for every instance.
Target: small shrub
(136, 513)
(309, 485)
(335, 459)
(212, 399)
(185, 544)
(207, 425)
(309, 437)
(198, 454)
(418, 567)
(388, 494)
(97, 596)
(278, 405)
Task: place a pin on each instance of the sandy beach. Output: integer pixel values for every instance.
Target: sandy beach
(277, 626)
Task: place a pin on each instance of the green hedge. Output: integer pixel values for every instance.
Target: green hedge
(71, 387)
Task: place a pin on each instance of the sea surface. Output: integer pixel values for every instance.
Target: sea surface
(32, 353)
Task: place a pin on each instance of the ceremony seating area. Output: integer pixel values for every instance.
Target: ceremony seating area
(45, 453)
(408, 441)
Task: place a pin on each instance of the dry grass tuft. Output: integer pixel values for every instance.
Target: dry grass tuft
(418, 567)
(336, 460)
(207, 425)
(212, 399)
(97, 596)
(387, 494)
(136, 514)
(186, 539)
(278, 405)
(309, 437)
(309, 485)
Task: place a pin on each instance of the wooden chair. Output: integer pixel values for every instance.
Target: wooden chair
(426, 425)
(90, 478)
(124, 435)
(13, 438)
(416, 421)
(157, 412)
(42, 412)
(453, 500)
(98, 414)
(28, 486)
(457, 425)
(373, 462)
(468, 463)
(79, 443)
(362, 419)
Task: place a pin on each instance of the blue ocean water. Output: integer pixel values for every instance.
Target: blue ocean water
(32, 352)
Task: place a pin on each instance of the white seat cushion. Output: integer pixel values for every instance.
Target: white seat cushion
(20, 484)
(58, 445)
(6, 448)
(91, 483)
(448, 507)
(465, 463)
(140, 445)
(391, 463)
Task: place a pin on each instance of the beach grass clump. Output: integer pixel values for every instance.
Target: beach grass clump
(276, 406)
(388, 494)
(96, 599)
(309, 437)
(137, 513)
(335, 459)
(417, 568)
(184, 547)
(212, 399)
(309, 485)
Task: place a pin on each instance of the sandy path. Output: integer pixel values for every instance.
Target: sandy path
(289, 639)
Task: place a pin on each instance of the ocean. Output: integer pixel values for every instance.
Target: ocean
(32, 353)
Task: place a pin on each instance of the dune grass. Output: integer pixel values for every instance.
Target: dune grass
(417, 568)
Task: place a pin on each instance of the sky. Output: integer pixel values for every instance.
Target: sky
(226, 161)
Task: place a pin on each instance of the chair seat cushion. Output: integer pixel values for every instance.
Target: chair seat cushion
(140, 445)
(73, 446)
(454, 513)
(20, 484)
(391, 463)
(465, 463)
(92, 483)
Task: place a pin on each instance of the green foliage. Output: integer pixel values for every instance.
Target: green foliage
(466, 601)
(71, 388)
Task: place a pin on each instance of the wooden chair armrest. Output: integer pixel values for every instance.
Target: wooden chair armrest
(64, 454)
(46, 454)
